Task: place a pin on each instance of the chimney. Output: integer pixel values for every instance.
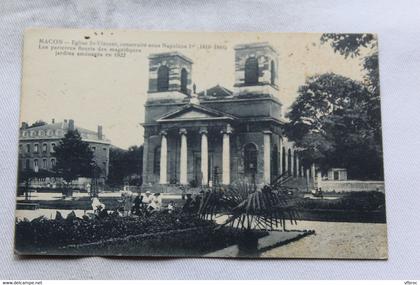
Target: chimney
(52, 121)
(24, 125)
(71, 125)
(100, 135)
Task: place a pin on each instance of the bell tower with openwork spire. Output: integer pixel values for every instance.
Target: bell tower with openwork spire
(169, 77)
(256, 70)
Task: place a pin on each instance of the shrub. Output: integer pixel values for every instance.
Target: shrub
(357, 201)
(41, 233)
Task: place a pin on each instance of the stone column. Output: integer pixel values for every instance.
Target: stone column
(307, 180)
(267, 157)
(286, 164)
(183, 167)
(292, 163)
(281, 156)
(313, 173)
(204, 157)
(226, 155)
(302, 171)
(297, 166)
(163, 178)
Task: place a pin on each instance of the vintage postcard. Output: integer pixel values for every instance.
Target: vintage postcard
(255, 145)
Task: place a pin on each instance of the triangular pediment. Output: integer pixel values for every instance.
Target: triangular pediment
(194, 112)
(191, 114)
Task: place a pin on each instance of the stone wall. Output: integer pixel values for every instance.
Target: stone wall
(350, 185)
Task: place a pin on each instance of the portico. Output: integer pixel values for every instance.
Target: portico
(195, 158)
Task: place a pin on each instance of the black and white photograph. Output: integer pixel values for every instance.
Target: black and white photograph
(187, 144)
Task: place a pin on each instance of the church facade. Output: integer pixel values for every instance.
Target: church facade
(216, 136)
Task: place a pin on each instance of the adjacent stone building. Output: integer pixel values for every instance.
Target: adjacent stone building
(36, 145)
(216, 136)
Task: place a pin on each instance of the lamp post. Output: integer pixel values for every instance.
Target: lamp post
(94, 188)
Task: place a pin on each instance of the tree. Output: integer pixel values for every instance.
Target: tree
(329, 120)
(352, 45)
(74, 157)
(124, 163)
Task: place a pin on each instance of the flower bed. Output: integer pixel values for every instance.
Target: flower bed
(185, 242)
(42, 235)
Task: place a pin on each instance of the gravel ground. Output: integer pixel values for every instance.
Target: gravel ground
(336, 240)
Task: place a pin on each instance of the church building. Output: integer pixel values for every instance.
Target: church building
(216, 136)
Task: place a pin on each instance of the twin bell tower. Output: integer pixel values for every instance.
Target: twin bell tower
(256, 67)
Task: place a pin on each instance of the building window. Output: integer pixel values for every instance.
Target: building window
(104, 149)
(93, 148)
(163, 78)
(44, 148)
(250, 158)
(52, 148)
(35, 163)
(27, 164)
(44, 163)
(28, 148)
(273, 72)
(36, 148)
(251, 71)
(20, 148)
(336, 175)
(25, 133)
(52, 162)
(156, 161)
(274, 162)
(184, 80)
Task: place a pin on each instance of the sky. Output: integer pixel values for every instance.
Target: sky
(111, 91)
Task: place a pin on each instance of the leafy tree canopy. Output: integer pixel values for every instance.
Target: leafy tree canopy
(123, 163)
(329, 121)
(74, 157)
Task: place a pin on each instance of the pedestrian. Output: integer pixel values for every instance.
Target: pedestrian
(156, 202)
(196, 203)
(171, 207)
(97, 206)
(188, 204)
(127, 201)
(137, 204)
(147, 199)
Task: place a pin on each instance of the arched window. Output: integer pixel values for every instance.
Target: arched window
(27, 164)
(184, 80)
(273, 72)
(289, 161)
(250, 158)
(251, 71)
(283, 160)
(156, 161)
(274, 162)
(163, 78)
